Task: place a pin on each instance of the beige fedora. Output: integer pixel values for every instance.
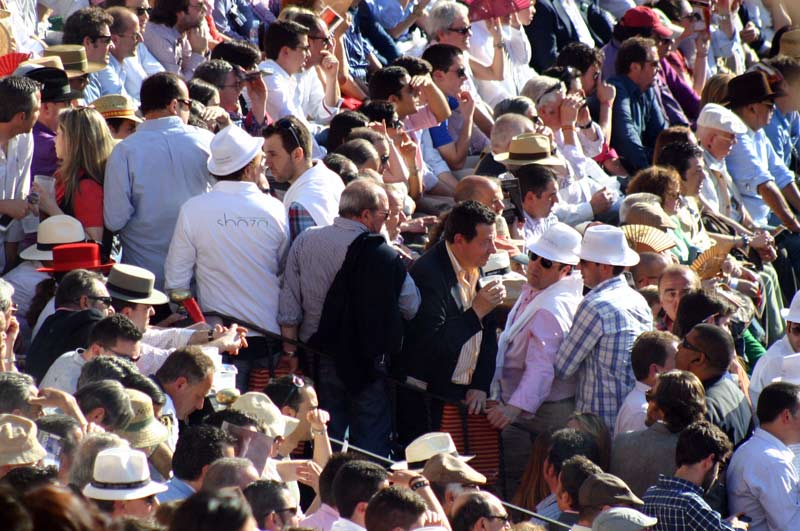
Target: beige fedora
(530, 148)
(144, 430)
(18, 443)
(134, 284)
(121, 474)
(261, 407)
(116, 106)
(790, 43)
(445, 468)
(55, 230)
(426, 446)
(73, 57)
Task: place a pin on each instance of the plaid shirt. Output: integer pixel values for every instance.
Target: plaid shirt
(679, 506)
(299, 220)
(598, 347)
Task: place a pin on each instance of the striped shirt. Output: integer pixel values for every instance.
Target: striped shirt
(679, 506)
(468, 357)
(598, 347)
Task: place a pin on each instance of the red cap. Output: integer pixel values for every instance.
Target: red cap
(644, 17)
(76, 256)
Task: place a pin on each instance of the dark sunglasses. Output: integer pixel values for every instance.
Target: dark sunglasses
(283, 123)
(794, 330)
(461, 72)
(462, 31)
(685, 344)
(144, 10)
(102, 38)
(105, 300)
(296, 383)
(547, 264)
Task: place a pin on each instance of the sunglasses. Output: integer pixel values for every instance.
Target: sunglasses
(144, 11)
(461, 72)
(794, 330)
(285, 124)
(105, 300)
(685, 344)
(185, 101)
(296, 383)
(547, 264)
(102, 38)
(462, 31)
(326, 38)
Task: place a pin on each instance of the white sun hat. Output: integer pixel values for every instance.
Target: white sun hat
(605, 244)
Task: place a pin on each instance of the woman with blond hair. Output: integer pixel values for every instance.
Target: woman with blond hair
(83, 145)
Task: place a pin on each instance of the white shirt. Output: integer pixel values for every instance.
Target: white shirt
(15, 172)
(233, 240)
(286, 99)
(312, 97)
(633, 411)
(24, 278)
(343, 524)
(763, 484)
(769, 367)
(64, 372)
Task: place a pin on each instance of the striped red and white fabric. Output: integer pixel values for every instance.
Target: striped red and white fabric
(483, 440)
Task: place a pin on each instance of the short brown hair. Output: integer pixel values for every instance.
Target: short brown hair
(189, 362)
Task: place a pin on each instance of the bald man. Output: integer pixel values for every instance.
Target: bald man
(487, 192)
(649, 269)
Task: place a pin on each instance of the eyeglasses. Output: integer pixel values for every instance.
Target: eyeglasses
(144, 11)
(304, 49)
(283, 123)
(396, 124)
(328, 39)
(462, 31)
(768, 104)
(384, 213)
(461, 72)
(547, 264)
(106, 301)
(504, 517)
(291, 510)
(555, 88)
(687, 345)
(102, 38)
(185, 101)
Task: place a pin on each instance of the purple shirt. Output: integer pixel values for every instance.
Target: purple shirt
(44, 151)
(322, 519)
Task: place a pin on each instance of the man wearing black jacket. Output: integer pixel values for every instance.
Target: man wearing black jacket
(451, 344)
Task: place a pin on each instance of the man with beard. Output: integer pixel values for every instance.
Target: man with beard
(178, 36)
(677, 501)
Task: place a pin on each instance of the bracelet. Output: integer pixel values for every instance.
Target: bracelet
(568, 127)
(745, 241)
(289, 354)
(420, 484)
(210, 335)
(500, 44)
(314, 432)
(587, 126)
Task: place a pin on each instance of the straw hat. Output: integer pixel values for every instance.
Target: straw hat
(605, 244)
(73, 57)
(144, 430)
(426, 446)
(18, 443)
(445, 468)
(790, 43)
(261, 407)
(121, 474)
(33, 63)
(530, 148)
(134, 284)
(55, 230)
(76, 256)
(117, 106)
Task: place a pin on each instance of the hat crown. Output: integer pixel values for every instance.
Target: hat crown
(426, 446)
(142, 406)
(120, 466)
(605, 244)
(639, 17)
(81, 255)
(447, 468)
(530, 144)
(560, 243)
(60, 229)
(716, 116)
(231, 150)
(125, 277)
(115, 106)
(261, 407)
(750, 87)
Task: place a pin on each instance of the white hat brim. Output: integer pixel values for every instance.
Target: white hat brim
(548, 252)
(788, 315)
(291, 425)
(32, 253)
(90, 491)
(403, 465)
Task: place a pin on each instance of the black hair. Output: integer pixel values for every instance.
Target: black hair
(105, 368)
(379, 111)
(341, 125)
(62, 426)
(214, 71)
(699, 440)
(387, 82)
(237, 52)
(142, 383)
(222, 510)
(696, 306)
(717, 345)
(112, 397)
(574, 472)
(677, 155)
(75, 284)
(294, 134)
(159, 90)
(283, 391)
(533, 178)
(189, 362)
(202, 91)
(25, 478)
(775, 398)
(328, 474)
(393, 507)
(113, 328)
(568, 442)
(336, 163)
(464, 219)
(651, 347)
(358, 150)
(85, 22)
(17, 94)
(357, 481)
(414, 65)
(474, 507)
(282, 33)
(166, 11)
(235, 417)
(579, 55)
(633, 50)
(265, 496)
(15, 390)
(441, 56)
(197, 447)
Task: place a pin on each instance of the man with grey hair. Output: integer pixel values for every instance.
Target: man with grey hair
(505, 128)
(362, 287)
(20, 396)
(229, 472)
(92, 444)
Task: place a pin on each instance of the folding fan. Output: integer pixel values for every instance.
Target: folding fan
(10, 61)
(709, 263)
(486, 9)
(644, 238)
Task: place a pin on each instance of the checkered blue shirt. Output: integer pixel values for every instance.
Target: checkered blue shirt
(598, 347)
(679, 506)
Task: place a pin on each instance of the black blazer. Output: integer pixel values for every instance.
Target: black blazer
(434, 338)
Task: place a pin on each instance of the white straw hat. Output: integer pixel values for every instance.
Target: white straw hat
(792, 313)
(18, 443)
(605, 244)
(231, 150)
(560, 243)
(55, 230)
(261, 407)
(426, 446)
(121, 474)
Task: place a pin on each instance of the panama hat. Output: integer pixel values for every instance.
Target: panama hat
(55, 230)
(605, 244)
(144, 430)
(116, 106)
(134, 284)
(18, 443)
(426, 446)
(261, 407)
(73, 57)
(560, 243)
(232, 149)
(121, 474)
(530, 148)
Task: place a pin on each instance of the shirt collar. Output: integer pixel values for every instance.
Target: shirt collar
(712, 162)
(767, 437)
(678, 483)
(461, 272)
(236, 186)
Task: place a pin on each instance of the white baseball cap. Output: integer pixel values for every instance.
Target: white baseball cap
(716, 116)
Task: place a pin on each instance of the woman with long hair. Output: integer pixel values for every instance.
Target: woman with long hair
(83, 145)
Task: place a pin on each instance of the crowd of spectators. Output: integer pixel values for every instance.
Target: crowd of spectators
(382, 265)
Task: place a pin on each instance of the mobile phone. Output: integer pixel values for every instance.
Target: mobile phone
(330, 17)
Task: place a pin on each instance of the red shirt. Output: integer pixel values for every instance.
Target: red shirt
(87, 202)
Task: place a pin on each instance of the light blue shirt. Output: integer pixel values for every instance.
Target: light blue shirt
(177, 490)
(137, 68)
(389, 14)
(149, 176)
(751, 163)
(110, 80)
(783, 130)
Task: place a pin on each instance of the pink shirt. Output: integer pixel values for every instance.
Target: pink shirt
(528, 377)
(322, 519)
